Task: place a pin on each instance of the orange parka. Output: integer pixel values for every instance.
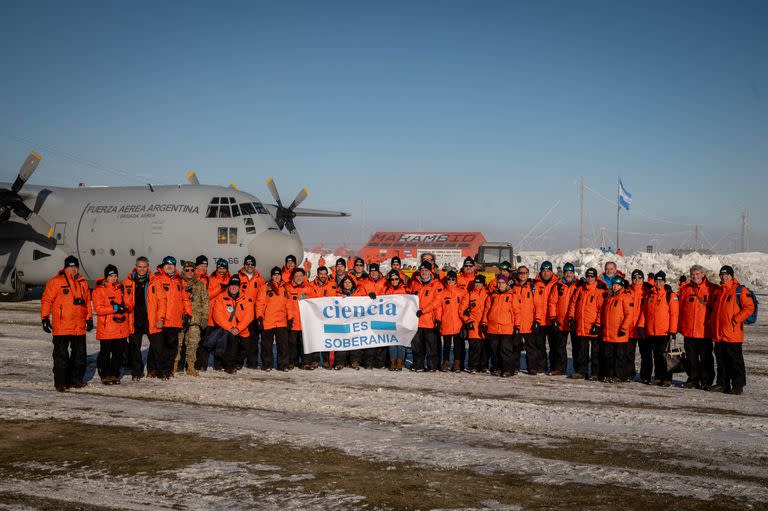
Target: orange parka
(293, 294)
(617, 316)
(544, 291)
(586, 307)
(216, 286)
(499, 314)
(696, 308)
(167, 300)
(525, 311)
(237, 312)
(399, 290)
(110, 324)
(429, 295)
(727, 318)
(58, 303)
(472, 310)
(250, 286)
(272, 306)
(327, 289)
(559, 302)
(639, 293)
(466, 281)
(448, 311)
(660, 312)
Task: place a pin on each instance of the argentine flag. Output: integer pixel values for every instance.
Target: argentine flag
(625, 198)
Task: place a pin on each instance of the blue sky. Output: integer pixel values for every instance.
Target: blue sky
(440, 115)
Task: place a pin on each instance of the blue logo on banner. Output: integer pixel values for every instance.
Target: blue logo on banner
(383, 325)
(337, 329)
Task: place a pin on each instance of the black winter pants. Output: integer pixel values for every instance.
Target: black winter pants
(493, 345)
(162, 349)
(630, 371)
(581, 347)
(110, 357)
(614, 363)
(511, 349)
(595, 346)
(457, 342)
(140, 329)
(730, 365)
(282, 338)
(268, 340)
(646, 359)
(478, 355)
(347, 358)
(536, 350)
(701, 361)
(659, 345)
(558, 350)
(424, 344)
(375, 358)
(69, 359)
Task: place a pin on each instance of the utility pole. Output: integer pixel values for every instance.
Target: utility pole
(602, 236)
(581, 215)
(744, 231)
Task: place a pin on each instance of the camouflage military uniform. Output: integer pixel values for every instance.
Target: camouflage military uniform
(198, 294)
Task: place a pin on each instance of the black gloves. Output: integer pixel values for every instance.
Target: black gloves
(437, 324)
(121, 309)
(535, 327)
(419, 313)
(641, 332)
(467, 311)
(372, 295)
(47, 325)
(572, 324)
(516, 331)
(185, 319)
(595, 330)
(555, 323)
(470, 325)
(483, 328)
(622, 333)
(88, 325)
(260, 324)
(290, 324)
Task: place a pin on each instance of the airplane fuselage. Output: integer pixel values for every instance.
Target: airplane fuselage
(103, 225)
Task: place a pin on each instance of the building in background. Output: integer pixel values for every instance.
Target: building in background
(447, 246)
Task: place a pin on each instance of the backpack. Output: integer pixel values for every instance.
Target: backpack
(753, 318)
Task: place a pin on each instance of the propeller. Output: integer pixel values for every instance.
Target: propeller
(11, 201)
(192, 178)
(284, 216)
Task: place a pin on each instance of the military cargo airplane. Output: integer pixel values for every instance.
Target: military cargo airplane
(41, 225)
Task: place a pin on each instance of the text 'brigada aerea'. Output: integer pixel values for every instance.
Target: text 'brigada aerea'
(359, 311)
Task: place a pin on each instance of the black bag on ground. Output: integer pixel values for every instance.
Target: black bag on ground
(216, 341)
(674, 358)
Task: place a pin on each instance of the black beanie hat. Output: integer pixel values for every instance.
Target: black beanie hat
(469, 260)
(290, 257)
(427, 265)
(451, 275)
(591, 272)
(71, 261)
(249, 259)
(341, 261)
(234, 280)
(394, 260)
(637, 272)
(373, 267)
(201, 259)
(359, 260)
(660, 275)
(275, 271)
(726, 269)
(110, 269)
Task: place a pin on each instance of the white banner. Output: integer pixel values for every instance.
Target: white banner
(357, 322)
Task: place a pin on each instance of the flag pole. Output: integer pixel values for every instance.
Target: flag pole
(618, 211)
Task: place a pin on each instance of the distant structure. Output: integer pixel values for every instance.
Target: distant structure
(411, 244)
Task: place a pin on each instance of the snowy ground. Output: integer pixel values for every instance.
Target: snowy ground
(303, 440)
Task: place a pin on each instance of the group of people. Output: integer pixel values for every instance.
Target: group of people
(242, 319)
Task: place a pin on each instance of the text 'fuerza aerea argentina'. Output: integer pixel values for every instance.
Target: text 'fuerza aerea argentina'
(358, 322)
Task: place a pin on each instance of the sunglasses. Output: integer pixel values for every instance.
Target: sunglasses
(451, 278)
(361, 265)
(249, 264)
(189, 269)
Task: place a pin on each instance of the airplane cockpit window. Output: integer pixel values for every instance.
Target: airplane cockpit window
(247, 209)
(212, 212)
(260, 209)
(250, 228)
(215, 200)
(235, 210)
(224, 212)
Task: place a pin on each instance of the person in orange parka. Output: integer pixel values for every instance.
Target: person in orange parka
(290, 264)
(250, 283)
(397, 265)
(168, 309)
(426, 343)
(448, 315)
(639, 290)
(233, 312)
(543, 331)
(472, 310)
(557, 310)
(526, 325)
(584, 322)
(112, 325)
(505, 269)
(499, 324)
(272, 319)
(135, 295)
(617, 317)
(732, 304)
(217, 284)
(695, 321)
(349, 358)
(658, 322)
(374, 358)
(67, 300)
(466, 278)
(395, 286)
(324, 286)
(376, 281)
(298, 289)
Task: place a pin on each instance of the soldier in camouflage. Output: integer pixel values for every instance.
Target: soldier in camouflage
(189, 336)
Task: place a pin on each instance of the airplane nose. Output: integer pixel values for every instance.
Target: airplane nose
(270, 248)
